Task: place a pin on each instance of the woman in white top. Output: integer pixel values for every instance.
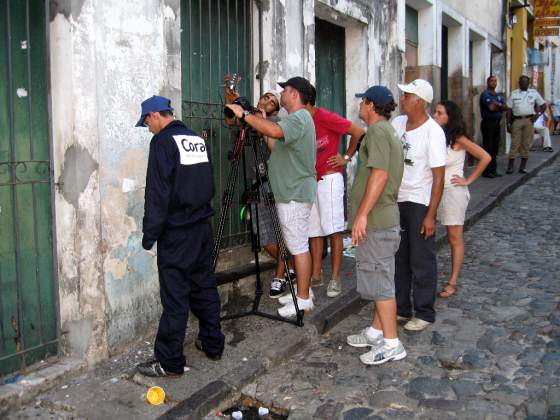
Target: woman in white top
(455, 192)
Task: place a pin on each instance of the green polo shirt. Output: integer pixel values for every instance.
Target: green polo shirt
(291, 168)
(381, 149)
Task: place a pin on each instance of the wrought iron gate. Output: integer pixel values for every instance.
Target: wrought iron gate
(216, 40)
(28, 326)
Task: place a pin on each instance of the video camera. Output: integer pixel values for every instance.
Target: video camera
(244, 103)
(231, 90)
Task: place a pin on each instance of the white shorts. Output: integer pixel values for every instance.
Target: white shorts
(294, 220)
(327, 213)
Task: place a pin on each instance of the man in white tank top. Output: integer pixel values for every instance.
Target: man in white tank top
(419, 196)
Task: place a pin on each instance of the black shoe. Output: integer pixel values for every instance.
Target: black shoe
(277, 288)
(522, 166)
(154, 369)
(212, 356)
(510, 166)
(548, 149)
(497, 174)
(489, 175)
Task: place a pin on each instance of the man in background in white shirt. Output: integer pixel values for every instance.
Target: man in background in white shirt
(419, 196)
(524, 103)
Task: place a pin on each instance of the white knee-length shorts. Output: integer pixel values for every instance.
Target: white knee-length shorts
(327, 213)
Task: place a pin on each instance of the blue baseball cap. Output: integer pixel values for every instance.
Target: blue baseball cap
(153, 104)
(379, 95)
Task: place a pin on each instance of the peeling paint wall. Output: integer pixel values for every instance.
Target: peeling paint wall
(372, 53)
(106, 57)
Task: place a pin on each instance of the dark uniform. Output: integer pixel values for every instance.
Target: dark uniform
(179, 190)
(490, 128)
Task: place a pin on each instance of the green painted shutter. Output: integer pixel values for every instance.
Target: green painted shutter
(27, 300)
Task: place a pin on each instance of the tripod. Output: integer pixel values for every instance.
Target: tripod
(253, 197)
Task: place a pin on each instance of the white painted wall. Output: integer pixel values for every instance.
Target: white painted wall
(486, 13)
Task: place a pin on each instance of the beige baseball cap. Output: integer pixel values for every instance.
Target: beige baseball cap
(421, 88)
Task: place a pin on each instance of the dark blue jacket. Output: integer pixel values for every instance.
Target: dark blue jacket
(179, 183)
(486, 98)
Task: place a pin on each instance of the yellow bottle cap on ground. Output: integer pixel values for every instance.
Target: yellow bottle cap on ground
(155, 395)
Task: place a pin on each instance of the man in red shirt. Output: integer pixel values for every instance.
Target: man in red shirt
(327, 213)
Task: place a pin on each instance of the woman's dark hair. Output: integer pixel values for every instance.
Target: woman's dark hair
(455, 126)
(383, 110)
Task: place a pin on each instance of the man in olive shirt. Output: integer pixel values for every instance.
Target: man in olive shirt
(291, 171)
(376, 226)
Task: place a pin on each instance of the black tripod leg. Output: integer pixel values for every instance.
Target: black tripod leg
(268, 196)
(228, 197)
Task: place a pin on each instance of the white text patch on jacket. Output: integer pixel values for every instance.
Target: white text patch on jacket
(192, 149)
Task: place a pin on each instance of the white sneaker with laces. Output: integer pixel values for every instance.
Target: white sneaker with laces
(287, 298)
(383, 354)
(416, 324)
(363, 340)
(289, 310)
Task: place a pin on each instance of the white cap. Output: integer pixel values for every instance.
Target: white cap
(420, 88)
(275, 93)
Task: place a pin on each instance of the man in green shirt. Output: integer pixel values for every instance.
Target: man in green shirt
(376, 226)
(291, 172)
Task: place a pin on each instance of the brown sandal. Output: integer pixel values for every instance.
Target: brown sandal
(448, 291)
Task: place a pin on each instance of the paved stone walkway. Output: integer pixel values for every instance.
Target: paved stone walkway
(493, 353)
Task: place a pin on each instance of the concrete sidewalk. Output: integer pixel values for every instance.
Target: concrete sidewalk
(253, 345)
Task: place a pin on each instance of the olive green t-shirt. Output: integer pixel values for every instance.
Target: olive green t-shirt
(381, 149)
(291, 167)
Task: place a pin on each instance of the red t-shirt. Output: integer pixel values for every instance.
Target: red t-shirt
(329, 126)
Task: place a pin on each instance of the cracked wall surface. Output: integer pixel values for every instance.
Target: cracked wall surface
(106, 57)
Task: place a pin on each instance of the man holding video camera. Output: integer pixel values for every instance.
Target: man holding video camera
(291, 172)
(268, 106)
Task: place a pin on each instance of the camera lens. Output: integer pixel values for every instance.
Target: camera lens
(228, 113)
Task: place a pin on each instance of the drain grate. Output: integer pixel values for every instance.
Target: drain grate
(249, 407)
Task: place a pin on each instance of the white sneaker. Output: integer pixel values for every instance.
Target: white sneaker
(416, 324)
(403, 318)
(287, 298)
(334, 288)
(289, 310)
(383, 354)
(363, 340)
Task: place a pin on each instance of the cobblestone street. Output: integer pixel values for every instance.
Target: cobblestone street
(494, 351)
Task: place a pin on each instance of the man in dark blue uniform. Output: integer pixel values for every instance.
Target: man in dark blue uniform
(492, 104)
(177, 208)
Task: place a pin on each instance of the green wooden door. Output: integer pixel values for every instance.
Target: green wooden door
(215, 41)
(28, 326)
(330, 65)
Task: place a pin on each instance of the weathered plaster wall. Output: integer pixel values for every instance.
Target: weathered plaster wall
(106, 57)
(76, 169)
(372, 54)
(487, 14)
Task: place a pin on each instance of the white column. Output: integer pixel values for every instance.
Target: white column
(428, 30)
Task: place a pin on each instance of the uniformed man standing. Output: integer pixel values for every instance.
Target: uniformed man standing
(524, 103)
(177, 209)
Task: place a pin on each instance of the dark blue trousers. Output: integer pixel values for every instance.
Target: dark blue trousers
(415, 265)
(187, 281)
